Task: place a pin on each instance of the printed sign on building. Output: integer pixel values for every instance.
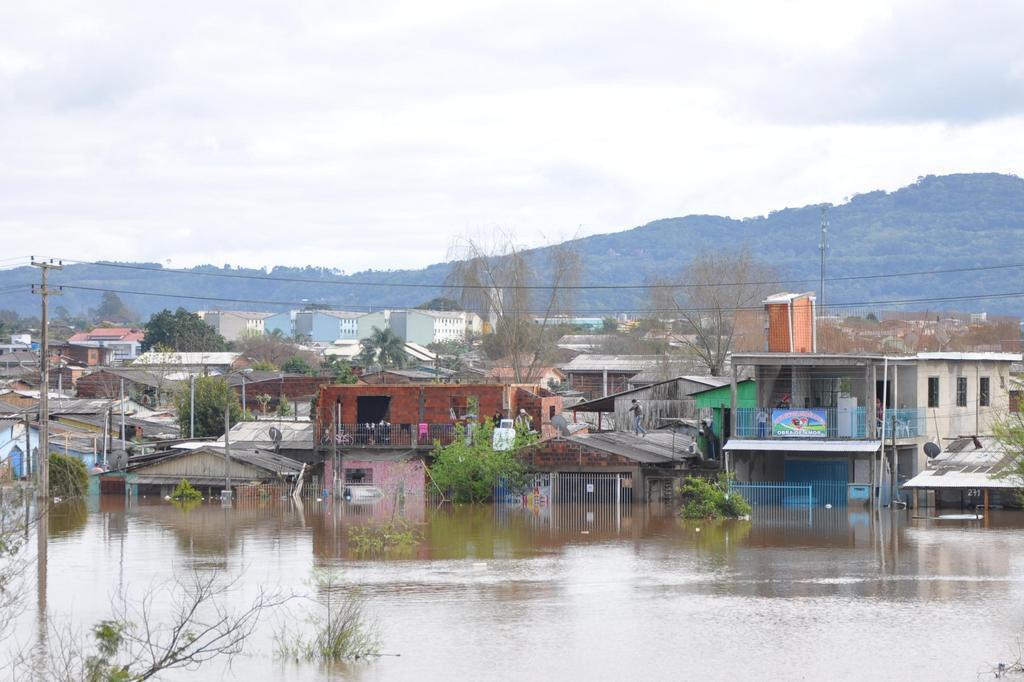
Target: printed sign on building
(805, 423)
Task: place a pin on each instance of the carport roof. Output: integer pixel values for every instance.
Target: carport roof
(794, 445)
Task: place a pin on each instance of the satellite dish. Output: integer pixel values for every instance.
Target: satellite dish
(275, 434)
(561, 424)
(932, 450)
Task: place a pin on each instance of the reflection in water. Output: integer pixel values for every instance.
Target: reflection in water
(836, 590)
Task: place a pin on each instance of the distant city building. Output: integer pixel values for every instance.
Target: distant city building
(434, 326)
(234, 324)
(326, 325)
(122, 342)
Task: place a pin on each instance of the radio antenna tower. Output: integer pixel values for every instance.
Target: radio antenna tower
(823, 247)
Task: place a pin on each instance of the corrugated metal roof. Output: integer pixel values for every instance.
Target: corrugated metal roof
(933, 479)
(963, 464)
(658, 447)
(258, 432)
(155, 358)
(620, 363)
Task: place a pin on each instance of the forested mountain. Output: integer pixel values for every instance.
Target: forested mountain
(938, 222)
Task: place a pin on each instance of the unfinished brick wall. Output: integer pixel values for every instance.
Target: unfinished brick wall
(560, 455)
(413, 404)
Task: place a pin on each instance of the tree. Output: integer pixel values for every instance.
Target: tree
(499, 283)
(383, 347)
(1010, 433)
(180, 625)
(449, 353)
(469, 468)
(112, 309)
(182, 331)
(717, 286)
(211, 395)
(297, 365)
(609, 325)
(440, 303)
(340, 369)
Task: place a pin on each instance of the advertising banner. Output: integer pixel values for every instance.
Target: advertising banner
(795, 423)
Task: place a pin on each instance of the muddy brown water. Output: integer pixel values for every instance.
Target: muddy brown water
(575, 593)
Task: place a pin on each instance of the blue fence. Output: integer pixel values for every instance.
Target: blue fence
(808, 494)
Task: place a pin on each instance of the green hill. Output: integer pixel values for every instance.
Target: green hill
(939, 222)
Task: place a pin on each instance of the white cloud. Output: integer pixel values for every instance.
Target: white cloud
(360, 135)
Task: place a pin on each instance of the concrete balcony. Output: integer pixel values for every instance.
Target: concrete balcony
(827, 423)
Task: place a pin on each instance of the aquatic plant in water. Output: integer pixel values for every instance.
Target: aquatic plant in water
(341, 630)
(379, 538)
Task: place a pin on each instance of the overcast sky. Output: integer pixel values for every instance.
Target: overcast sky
(365, 135)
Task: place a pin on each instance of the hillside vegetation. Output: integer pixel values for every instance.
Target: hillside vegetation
(938, 222)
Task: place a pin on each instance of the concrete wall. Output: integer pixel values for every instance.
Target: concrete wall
(367, 322)
(972, 418)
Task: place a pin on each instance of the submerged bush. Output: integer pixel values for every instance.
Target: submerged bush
(469, 467)
(68, 476)
(707, 499)
(185, 492)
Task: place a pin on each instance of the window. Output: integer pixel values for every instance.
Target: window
(933, 391)
(984, 395)
(359, 476)
(961, 391)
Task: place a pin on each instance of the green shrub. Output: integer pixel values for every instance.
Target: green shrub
(68, 476)
(470, 471)
(185, 492)
(706, 499)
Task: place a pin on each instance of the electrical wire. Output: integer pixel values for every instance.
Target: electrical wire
(577, 311)
(586, 287)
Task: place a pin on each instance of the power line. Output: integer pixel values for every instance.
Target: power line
(411, 285)
(862, 304)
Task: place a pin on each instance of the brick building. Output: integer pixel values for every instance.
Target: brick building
(417, 413)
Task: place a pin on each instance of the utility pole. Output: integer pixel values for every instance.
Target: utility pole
(225, 496)
(124, 434)
(45, 292)
(192, 407)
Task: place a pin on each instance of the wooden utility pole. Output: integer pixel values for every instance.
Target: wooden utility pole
(44, 291)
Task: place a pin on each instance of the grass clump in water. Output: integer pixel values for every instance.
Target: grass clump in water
(380, 538)
(340, 628)
(707, 499)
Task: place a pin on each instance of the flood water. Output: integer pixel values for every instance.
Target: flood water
(594, 593)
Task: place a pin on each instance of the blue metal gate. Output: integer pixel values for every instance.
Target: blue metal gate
(828, 479)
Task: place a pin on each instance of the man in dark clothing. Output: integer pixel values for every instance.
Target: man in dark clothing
(638, 417)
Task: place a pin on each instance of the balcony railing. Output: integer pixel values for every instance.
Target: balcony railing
(827, 423)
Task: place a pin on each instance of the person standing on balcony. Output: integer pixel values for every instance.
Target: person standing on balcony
(762, 423)
(638, 418)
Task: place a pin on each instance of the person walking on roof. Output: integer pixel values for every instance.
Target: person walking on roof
(638, 418)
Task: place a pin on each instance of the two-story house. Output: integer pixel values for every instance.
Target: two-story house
(836, 420)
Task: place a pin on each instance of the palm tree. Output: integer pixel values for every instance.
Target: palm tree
(384, 347)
